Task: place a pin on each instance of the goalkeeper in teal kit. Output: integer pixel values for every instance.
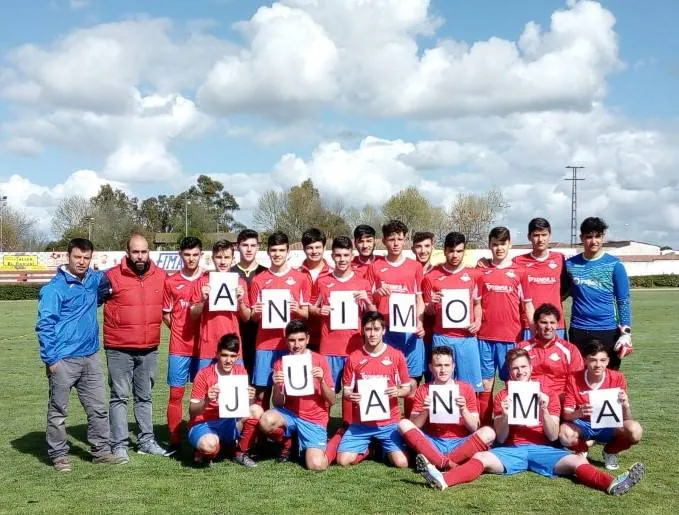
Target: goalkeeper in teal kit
(599, 286)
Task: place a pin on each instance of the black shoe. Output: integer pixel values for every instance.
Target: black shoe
(283, 458)
(174, 450)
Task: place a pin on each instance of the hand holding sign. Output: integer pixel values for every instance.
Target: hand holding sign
(222, 296)
(374, 403)
(275, 309)
(443, 408)
(524, 403)
(606, 408)
(402, 313)
(298, 375)
(455, 309)
(343, 310)
(234, 396)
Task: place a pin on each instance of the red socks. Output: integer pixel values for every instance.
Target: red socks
(618, 444)
(333, 444)
(464, 473)
(465, 451)
(591, 476)
(360, 457)
(486, 408)
(247, 435)
(420, 443)
(175, 413)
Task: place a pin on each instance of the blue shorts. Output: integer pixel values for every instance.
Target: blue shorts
(527, 335)
(446, 445)
(309, 435)
(264, 360)
(225, 428)
(336, 364)
(183, 369)
(493, 356)
(412, 348)
(604, 435)
(357, 438)
(467, 360)
(540, 459)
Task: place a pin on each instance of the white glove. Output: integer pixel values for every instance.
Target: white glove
(623, 346)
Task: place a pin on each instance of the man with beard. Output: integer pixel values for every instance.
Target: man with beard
(132, 319)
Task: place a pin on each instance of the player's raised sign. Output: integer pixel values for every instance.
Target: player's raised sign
(402, 313)
(455, 309)
(524, 403)
(234, 399)
(297, 375)
(374, 403)
(223, 291)
(442, 406)
(275, 309)
(606, 409)
(343, 310)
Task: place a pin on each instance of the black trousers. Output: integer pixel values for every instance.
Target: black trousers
(581, 337)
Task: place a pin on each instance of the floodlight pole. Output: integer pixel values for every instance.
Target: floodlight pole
(574, 201)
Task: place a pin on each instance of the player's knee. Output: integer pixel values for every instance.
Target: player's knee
(399, 460)
(344, 459)
(486, 434)
(405, 425)
(634, 431)
(209, 444)
(256, 411)
(316, 463)
(267, 422)
(567, 436)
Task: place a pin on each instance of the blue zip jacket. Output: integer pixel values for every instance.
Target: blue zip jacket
(67, 324)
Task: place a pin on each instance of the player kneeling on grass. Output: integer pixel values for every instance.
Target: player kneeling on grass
(445, 445)
(374, 360)
(577, 428)
(306, 415)
(530, 447)
(207, 432)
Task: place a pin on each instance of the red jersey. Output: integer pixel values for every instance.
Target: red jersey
(204, 380)
(428, 321)
(184, 330)
(446, 430)
(519, 435)
(577, 387)
(553, 362)
(215, 324)
(339, 342)
(544, 279)
(441, 278)
(299, 285)
(314, 324)
(312, 408)
(502, 291)
(403, 277)
(359, 267)
(389, 363)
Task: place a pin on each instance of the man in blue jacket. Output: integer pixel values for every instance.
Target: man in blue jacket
(68, 333)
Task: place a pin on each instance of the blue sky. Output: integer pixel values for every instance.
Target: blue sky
(618, 116)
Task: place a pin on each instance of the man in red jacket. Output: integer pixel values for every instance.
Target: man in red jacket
(132, 319)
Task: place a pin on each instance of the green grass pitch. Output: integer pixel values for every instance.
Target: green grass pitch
(158, 485)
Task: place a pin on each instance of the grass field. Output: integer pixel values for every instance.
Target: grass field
(152, 485)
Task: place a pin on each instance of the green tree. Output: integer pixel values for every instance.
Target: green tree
(410, 207)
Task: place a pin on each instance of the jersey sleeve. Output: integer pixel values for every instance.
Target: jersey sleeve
(525, 289)
(419, 277)
(470, 396)
(621, 294)
(426, 289)
(554, 406)
(402, 369)
(327, 375)
(315, 294)
(253, 293)
(371, 277)
(497, 403)
(348, 377)
(199, 388)
(196, 290)
(418, 400)
(305, 290)
(570, 401)
(577, 363)
(246, 296)
(168, 301)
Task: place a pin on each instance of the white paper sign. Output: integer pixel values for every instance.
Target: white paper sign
(402, 313)
(374, 403)
(297, 375)
(606, 409)
(442, 406)
(455, 309)
(343, 310)
(524, 403)
(275, 309)
(234, 398)
(223, 291)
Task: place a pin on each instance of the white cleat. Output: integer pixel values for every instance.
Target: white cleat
(430, 473)
(610, 461)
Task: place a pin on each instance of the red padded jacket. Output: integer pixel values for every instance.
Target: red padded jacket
(133, 314)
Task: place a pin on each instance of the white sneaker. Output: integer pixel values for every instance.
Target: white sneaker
(429, 472)
(610, 461)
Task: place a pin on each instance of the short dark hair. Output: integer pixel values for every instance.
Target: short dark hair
(453, 239)
(442, 350)
(499, 233)
(420, 236)
(296, 326)
(277, 238)
(593, 347)
(394, 227)
(514, 354)
(539, 224)
(81, 244)
(546, 309)
(342, 242)
(229, 342)
(313, 235)
(372, 316)
(364, 230)
(222, 245)
(190, 242)
(247, 234)
(593, 225)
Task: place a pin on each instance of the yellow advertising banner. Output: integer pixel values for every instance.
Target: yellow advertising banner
(21, 262)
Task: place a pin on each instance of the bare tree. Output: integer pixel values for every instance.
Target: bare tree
(271, 207)
(70, 213)
(369, 215)
(473, 214)
(18, 232)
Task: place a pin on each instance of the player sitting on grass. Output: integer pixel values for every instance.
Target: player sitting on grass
(306, 416)
(445, 445)
(208, 433)
(577, 429)
(530, 447)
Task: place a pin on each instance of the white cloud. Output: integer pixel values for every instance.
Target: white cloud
(78, 4)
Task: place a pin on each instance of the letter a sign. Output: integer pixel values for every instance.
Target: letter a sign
(234, 399)
(442, 407)
(606, 409)
(524, 403)
(223, 291)
(374, 403)
(455, 309)
(275, 309)
(297, 375)
(402, 313)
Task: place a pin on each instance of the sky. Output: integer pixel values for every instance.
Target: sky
(365, 97)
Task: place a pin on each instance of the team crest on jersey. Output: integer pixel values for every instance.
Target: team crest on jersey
(180, 286)
(290, 281)
(552, 265)
(363, 362)
(528, 265)
(330, 285)
(387, 362)
(554, 356)
(510, 274)
(465, 277)
(487, 272)
(384, 269)
(268, 282)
